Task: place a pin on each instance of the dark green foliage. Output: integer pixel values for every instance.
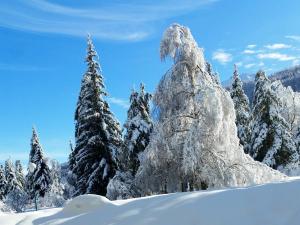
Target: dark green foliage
(242, 110)
(138, 128)
(97, 133)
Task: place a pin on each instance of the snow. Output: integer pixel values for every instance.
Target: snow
(85, 204)
(272, 204)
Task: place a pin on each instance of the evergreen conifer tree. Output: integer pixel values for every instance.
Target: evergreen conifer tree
(271, 140)
(297, 139)
(138, 127)
(38, 178)
(242, 110)
(3, 184)
(71, 157)
(10, 176)
(20, 175)
(97, 133)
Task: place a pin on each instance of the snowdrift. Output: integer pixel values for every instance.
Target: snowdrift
(269, 204)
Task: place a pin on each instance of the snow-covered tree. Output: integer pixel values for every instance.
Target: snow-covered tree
(38, 178)
(3, 184)
(242, 110)
(97, 132)
(122, 186)
(10, 175)
(214, 75)
(71, 157)
(271, 141)
(138, 128)
(194, 143)
(297, 139)
(20, 174)
(55, 196)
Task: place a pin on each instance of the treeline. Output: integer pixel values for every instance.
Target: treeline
(42, 185)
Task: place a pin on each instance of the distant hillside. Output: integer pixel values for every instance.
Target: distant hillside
(288, 77)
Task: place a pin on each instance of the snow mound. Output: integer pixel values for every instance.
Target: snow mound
(269, 204)
(86, 203)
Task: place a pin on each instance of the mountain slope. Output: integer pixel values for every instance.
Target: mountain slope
(272, 204)
(289, 77)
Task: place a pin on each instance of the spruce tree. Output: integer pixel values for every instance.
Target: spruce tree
(297, 139)
(38, 178)
(71, 157)
(271, 140)
(97, 133)
(3, 184)
(242, 110)
(20, 175)
(10, 176)
(138, 128)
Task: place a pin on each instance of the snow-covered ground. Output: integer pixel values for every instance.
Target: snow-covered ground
(269, 204)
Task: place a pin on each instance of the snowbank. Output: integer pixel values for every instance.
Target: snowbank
(271, 204)
(86, 203)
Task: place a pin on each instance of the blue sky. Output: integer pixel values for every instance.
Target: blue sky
(43, 43)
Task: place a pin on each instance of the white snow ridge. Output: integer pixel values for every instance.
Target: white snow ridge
(269, 204)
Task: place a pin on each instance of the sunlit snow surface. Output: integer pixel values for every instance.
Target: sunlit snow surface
(269, 204)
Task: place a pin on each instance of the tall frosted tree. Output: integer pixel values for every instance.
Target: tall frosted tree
(3, 184)
(271, 140)
(297, 139)
(10, 175)
(38, 178)
(20, 174)
(97, 132)
(194, 143)
(71, 157)
(138, 127)
(242, 110)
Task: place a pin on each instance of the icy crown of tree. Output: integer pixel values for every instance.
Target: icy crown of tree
(235, 73)
(94, 67)
(36, 142)
(179, 44)
(261, 75)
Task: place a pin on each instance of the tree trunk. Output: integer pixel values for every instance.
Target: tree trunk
(35, 202)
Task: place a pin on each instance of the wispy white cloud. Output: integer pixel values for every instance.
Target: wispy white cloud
(222, 56)
(120, 102)
(296, 62)
(276, 55)
(250, 65)
(109, 20)
(293, 37)
(251, 46)
(278, 46)
(240, 63)
(248, 51)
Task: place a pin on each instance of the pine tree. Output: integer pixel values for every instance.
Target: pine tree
(297, 139)
(36, 152)
(20, 175)
(97, 133)
(10, 176)
(138, 128)
(71, 157)
(3, 184)
(214, 75)
(242, 110)
(271, 140)
(38, 178)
